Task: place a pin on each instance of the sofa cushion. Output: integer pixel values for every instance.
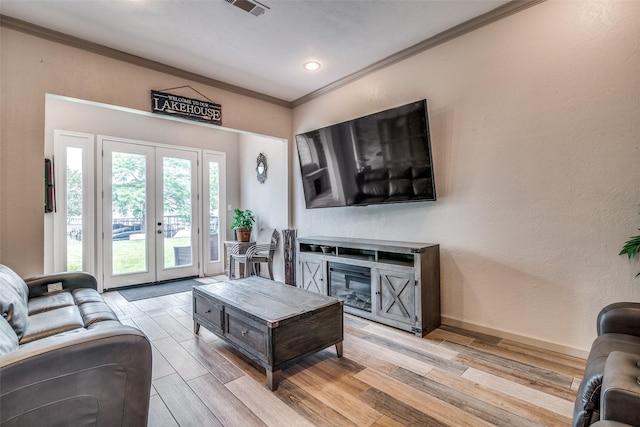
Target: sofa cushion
(50, 302)
(420, 172)
(374, 175)
(400, 188)
(400, 173)
(52, 322)
(587, 405)
(8, 337)
(422, 186)
(83, 295)
(375, 188)
(92, 307)
(14, 293)
(92, 312)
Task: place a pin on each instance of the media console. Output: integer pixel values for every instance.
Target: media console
(394, 283)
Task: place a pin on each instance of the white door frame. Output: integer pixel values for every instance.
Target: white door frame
(84, 141)
(153, 194)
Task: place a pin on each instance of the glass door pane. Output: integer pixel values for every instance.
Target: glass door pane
(176, 199)
(74, 193)
(128, 240)
(214, 210)
(176, 215)
(128, 213)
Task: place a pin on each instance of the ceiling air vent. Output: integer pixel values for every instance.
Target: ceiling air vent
(253, 7)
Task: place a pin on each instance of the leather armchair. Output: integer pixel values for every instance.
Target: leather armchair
(610, 389)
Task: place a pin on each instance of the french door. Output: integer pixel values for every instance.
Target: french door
(149, 213)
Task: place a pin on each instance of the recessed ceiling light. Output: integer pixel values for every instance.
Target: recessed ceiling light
(311, 65)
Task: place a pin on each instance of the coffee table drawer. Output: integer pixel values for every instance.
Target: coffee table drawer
(247, 333)
(209, 311)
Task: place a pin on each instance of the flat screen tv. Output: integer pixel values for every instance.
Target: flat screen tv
(376, 159)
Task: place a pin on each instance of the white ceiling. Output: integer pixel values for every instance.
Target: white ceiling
(263, 53)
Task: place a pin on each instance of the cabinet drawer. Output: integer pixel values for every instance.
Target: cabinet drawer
(209, 311)
(247, 333)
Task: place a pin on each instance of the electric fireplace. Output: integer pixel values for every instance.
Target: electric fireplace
(352, 284)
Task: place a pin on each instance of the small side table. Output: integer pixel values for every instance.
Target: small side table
(243, 246)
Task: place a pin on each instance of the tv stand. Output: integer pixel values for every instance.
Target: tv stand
(394, 283)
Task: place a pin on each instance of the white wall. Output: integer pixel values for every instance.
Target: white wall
(536, 145)
(268, 201)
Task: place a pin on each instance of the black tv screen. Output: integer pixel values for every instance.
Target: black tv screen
(380, 158)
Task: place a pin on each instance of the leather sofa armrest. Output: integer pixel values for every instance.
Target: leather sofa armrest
(620, 396)
(101, 374)
(38, 285)
(620, 318)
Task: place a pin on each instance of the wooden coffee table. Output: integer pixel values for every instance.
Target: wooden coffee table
(271, 323)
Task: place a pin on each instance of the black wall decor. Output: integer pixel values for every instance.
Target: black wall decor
(49, 187)
(187, 108)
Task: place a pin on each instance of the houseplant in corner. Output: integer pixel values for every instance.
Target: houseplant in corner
(243, 223)
(632, 248)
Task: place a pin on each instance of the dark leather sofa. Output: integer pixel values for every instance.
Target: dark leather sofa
(610, 388)
(65, 358)
(396, 184)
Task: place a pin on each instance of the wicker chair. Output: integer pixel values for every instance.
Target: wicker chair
(254, 256)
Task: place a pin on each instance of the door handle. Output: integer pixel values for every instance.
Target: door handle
(159, 231)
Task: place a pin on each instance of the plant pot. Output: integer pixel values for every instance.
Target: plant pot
(244, 234)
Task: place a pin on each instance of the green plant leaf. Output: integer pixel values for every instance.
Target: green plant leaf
(243, 219)
(631, 247)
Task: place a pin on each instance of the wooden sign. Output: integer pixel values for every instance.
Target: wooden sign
(187, 108)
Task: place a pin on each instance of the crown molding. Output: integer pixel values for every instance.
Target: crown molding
(473, 24)
(58, 37)
(494, 15)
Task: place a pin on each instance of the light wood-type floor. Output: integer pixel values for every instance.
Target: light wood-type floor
(386, 377)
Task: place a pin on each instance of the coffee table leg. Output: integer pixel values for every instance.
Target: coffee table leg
(273, 378)
(339, 349)
(196, 327)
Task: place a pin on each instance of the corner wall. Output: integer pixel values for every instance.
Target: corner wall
(536, 145)
(269, 200)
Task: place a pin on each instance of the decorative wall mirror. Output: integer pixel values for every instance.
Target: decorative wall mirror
(261, 168)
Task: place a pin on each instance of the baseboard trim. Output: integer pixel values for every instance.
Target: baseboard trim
(570, 351)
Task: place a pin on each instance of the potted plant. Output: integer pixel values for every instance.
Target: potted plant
(243, 223)
(632, 248)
